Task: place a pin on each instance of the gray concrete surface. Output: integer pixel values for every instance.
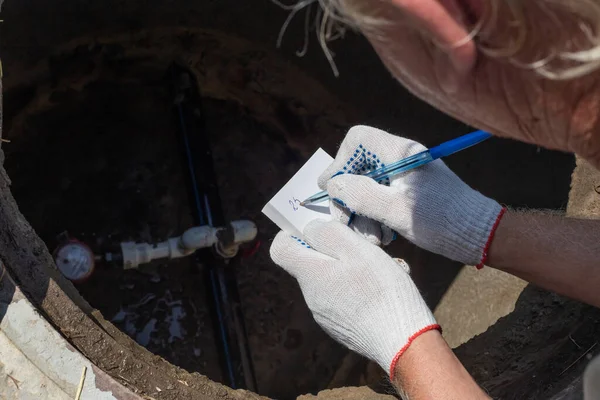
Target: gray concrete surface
(348, 393)
(474, 301)
(584, 201)
(36, 362)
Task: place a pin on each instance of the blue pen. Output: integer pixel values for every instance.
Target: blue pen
(415, 161)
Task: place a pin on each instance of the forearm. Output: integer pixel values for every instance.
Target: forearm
(557, 253)
(430, 370)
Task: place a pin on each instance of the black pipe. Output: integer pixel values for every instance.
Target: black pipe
(223, 296)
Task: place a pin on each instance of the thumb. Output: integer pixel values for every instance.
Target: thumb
(363, 196)
(296, 257)
(335, 169)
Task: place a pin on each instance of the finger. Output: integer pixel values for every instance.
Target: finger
(366, 148)
(352, 155)
(364, 196)
(333, 238)
(369, 229)
(296, 257)
(339, 212)
(445, 22)
(403, 264)
(365, 227)
(387, 234)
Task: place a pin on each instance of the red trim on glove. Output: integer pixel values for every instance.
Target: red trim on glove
(410, 340)
(486, 249)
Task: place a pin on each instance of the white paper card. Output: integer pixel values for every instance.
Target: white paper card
(284, 208)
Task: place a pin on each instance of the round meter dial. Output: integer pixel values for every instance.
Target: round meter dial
(75, 260)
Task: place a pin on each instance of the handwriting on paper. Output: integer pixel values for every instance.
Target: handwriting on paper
(295, 203)
(284, 208)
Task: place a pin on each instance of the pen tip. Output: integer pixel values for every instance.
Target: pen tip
(302, 203)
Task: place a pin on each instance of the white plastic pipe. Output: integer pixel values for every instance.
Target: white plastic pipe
(226, 241)
(199, 237)
(238, 232)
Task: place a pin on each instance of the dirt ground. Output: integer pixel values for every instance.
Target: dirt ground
(93, 152)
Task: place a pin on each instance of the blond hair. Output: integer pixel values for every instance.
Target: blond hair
(557, 39)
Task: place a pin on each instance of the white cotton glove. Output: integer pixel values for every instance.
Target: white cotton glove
(430, 205)
(357, 293)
